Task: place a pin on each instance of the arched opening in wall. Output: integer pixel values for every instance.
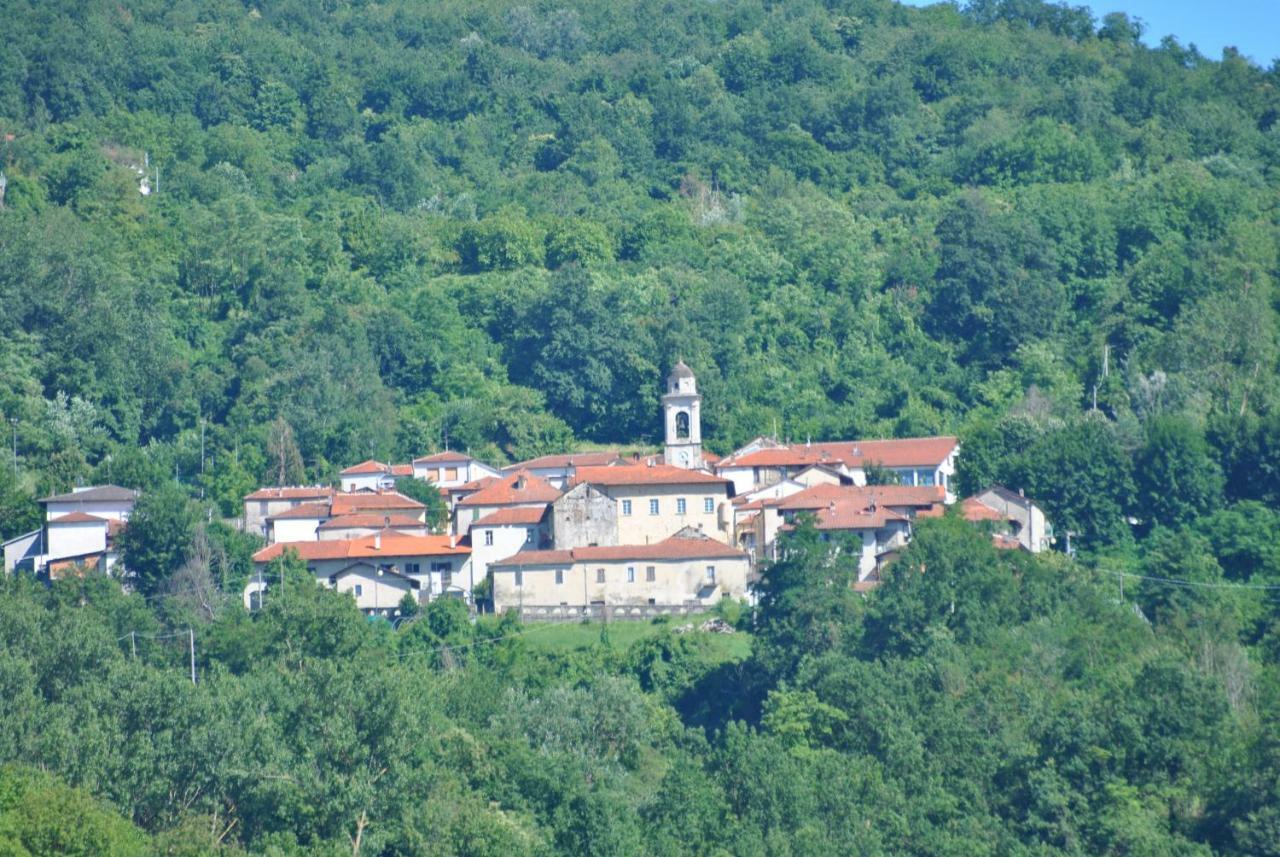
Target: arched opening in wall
(682, 426)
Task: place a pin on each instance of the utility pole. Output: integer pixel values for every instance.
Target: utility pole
(191, 641)
(133, 643)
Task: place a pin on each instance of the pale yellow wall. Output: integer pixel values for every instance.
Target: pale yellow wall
(676, 582)
(642, 528)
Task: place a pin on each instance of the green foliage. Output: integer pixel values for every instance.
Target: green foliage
(159, 536)
(40, 815)
(429, 495)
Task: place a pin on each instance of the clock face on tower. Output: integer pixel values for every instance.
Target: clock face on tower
(683, 457)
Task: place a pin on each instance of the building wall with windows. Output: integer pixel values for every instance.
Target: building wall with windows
(647, 514)
(584, 515)
(619, 582)
(492, 543)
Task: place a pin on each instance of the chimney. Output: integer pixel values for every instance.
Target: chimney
(453, 540)
(377, 541)
(386, 521)
(520, 483)
(1021, 492)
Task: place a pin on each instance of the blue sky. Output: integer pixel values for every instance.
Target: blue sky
(1253, 26)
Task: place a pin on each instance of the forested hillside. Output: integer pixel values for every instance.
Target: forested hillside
(391, 225)
(374, 229)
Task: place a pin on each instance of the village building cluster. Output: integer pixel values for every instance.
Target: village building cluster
(579, 534)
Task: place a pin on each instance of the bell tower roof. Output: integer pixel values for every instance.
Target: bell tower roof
(680, 370)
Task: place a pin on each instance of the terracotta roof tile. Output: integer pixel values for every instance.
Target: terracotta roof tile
(575, 459)
(77, 518)
(372, 521)
(361, 501)
(512, 516)
(302, 512)
(974, 509)
(520, 488)
(905, 452)
(882, 495)
(364, 467)
(644, 474)
(443, 457)
(401, 470)
(392, 544)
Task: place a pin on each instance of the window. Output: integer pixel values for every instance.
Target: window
(446, 578)
(451, 473)
(650, 573)
(559, 576)
(262, 507)
(488, 538)
(528, 536)
(681, 506)
(626, 507)
(359, 590)
(475, 514)
(653, 507)
(682, 425)
(599, 575)
(411, 568)
(442, 566)
(631, 574)
(711, 574)
(925, 477)
(519, 577)
(709, 504)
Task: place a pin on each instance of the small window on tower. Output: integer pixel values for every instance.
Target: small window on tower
(682, 426)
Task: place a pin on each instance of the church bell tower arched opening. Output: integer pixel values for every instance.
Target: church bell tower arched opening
(682, 416)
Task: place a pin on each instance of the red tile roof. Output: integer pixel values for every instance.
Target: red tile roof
(372, 521)
(882, 495)
(401, 470)
(575, 459)
(674, 548)
(393, 544)
(905, 452)
(974, 509)
(363, 501)
(520, 488)
(292, 492)
(306, 510)
(442, 457)
(364, 467)
(77, 518)
(644, 474)
(512, 516)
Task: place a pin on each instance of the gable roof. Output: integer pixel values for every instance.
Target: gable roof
(974, 509)
(292, 492)
(370, 568)
(96, 494)
(370, 520)
(572, 459)
(303, 512)
(77, 518)
(512, 516)
(366, 467)
(360, 501)
(820, 496)
(389, 543)
(646, 474)
(903, 452)
(399, 470)
(448, 456)
(520, 487)
(675, 548)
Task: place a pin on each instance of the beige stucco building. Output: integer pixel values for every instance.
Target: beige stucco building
(655, 501)
(685, 570)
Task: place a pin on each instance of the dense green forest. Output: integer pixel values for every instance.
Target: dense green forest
(374, 229)
(978, 702)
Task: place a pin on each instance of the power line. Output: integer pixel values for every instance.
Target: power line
(1202, 584)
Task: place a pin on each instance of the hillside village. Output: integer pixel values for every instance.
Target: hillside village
(575, 534)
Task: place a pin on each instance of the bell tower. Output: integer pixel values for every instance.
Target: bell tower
(682, 416)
